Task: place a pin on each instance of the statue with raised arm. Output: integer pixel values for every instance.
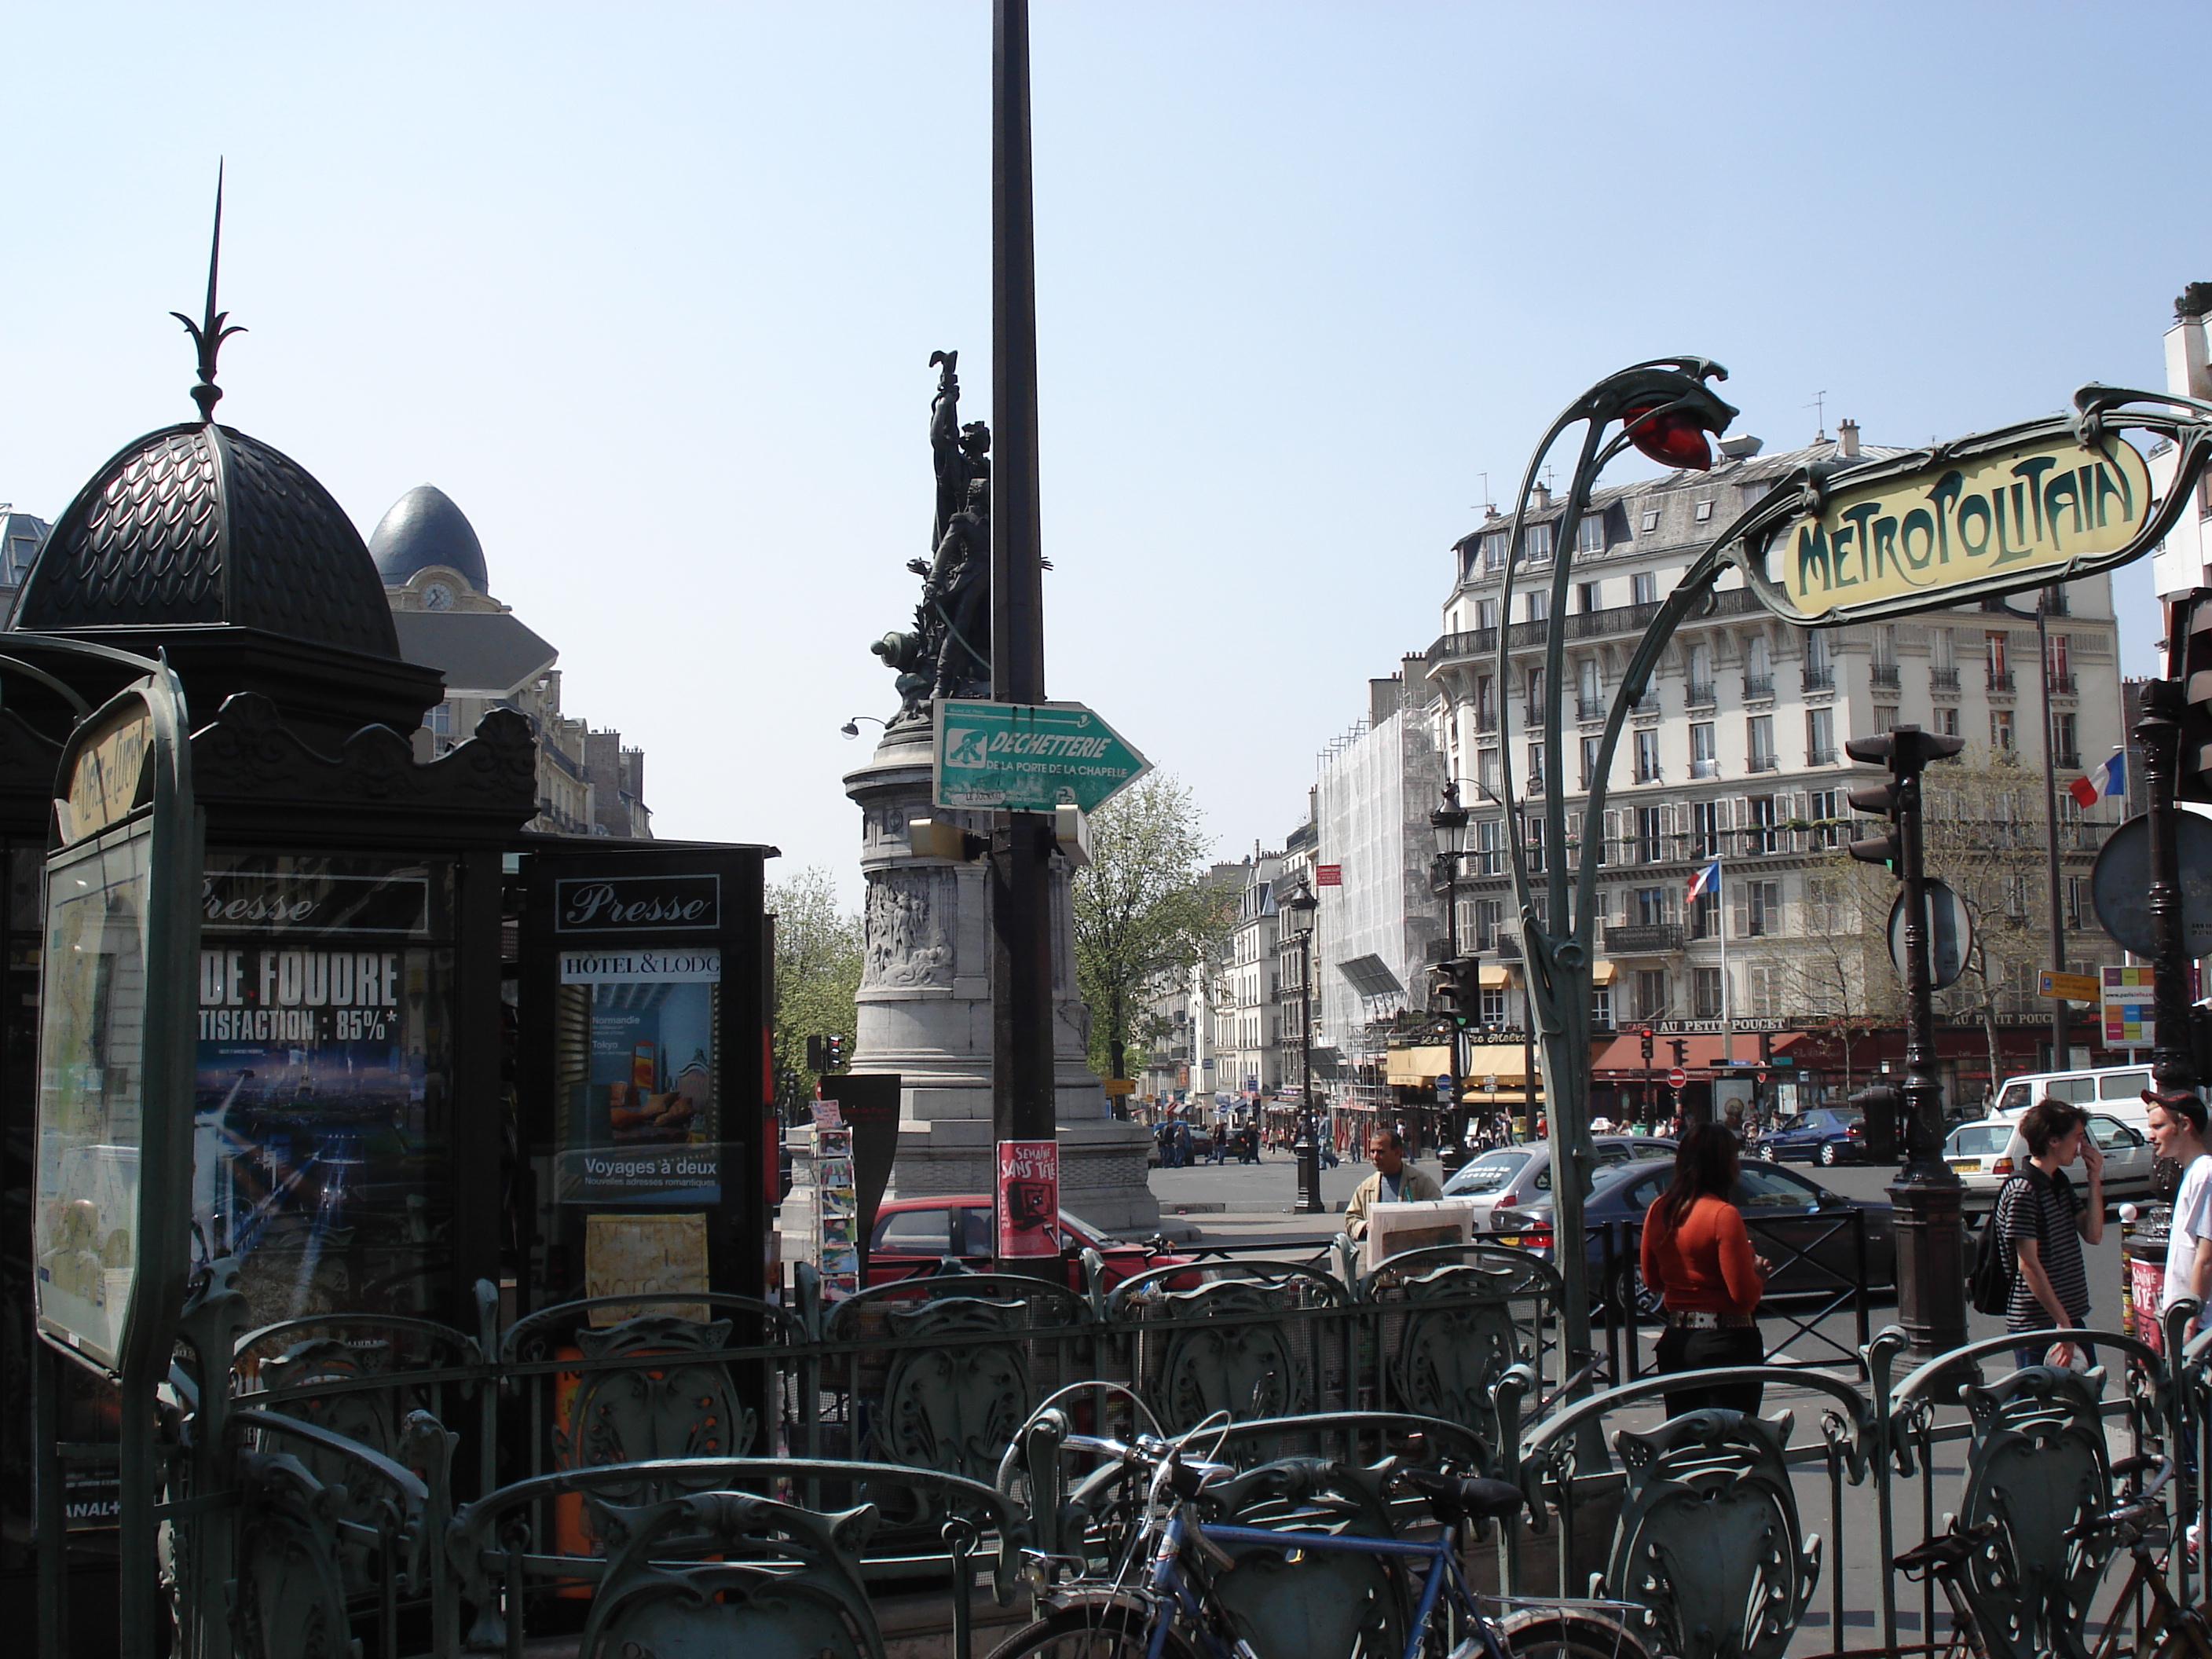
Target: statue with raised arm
(947, 653)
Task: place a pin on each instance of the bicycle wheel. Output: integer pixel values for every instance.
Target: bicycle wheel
(1090, 1629)
(1542, 1634)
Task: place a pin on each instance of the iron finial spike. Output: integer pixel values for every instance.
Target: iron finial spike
(210, 333)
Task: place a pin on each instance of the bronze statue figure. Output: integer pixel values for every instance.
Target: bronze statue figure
(947, 654)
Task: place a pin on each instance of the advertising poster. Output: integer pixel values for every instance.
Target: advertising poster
(1029, 1198)
(2130, 1020)
(638, 1065)
(89, 1098)
(319, 1153)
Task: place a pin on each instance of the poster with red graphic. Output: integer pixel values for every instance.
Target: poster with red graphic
(1029, 1198)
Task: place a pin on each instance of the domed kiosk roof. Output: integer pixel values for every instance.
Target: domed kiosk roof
(424, 528)
(199, 523)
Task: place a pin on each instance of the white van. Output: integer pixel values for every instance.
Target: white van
(2116, 1091)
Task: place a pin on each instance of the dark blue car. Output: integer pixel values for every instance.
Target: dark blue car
(1827, 1135)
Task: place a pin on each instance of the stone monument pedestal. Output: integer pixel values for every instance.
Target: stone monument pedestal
(925, 1012)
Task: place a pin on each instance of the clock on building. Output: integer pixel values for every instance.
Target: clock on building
(438, 597)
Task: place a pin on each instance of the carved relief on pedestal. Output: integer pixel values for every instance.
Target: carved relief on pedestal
(908, 942)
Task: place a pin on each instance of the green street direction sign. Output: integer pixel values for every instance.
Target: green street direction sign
(1028, 757)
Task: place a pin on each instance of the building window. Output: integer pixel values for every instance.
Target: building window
(1536, 545)
(1759, 837)
(1824, 807)
(1602, 1007)
(1590, 694)
(2060, 666)
(2063, 750)
(1485, 704)
(1885, 716)
(1707, 992)
(1648, 840)
(1819, 667)
(1758, 668)
(1995, 644)
(1489, 918)
(1536, 769)
(1589, 766)
(1493, 1006)
(1590, 535)
(1758, 742)
(1652, 994)
(1534, 831)
(1494, 551)
(1820, 737)
(1943, 649)
(1485, 847)
(1647, 757)
(1762, 908)
(1701, 676)
(1823, 906)
(2000, 730)
(440, 720)
(1486, 772)
(1705, 829)
(1704, 761)
(1535, 691)
(1538, 607)
(1650, 906)
(1705, 513)
(1766, 992)
(1644, 588)
(1947, 721)
(1587, 596)
(2080, 912)
(1486, 615)
(1705, 916)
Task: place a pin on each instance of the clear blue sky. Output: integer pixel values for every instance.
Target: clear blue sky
(650, 290)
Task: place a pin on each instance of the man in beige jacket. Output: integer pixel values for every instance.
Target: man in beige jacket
(1393, 1182)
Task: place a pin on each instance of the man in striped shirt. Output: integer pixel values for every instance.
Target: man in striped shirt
(2041, 1219)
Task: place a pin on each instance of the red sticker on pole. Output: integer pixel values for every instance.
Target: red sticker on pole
(1029, 1198)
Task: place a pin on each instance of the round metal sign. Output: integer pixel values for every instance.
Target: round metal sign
(1950, 936)
(1677, 1078)
(2120, 884)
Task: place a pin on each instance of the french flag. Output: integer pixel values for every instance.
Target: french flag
(1707, 880)
(2114, 775)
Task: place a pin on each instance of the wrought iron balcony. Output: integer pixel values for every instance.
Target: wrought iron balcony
(1704, 768)
(2067, 760)
(1699, 696)
(2001, 680)
(1589, 708)
(1820, 757)
(1764, 762)
(1646, 704)
(1820, 679)
(1762, 687)
(1943, 680)
(1486, 720)
(2061, 685)
(1885, 673)
(1644, 939)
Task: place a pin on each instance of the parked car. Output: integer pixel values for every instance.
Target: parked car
(914, 1234)
(1826, 1135)
(1511, 1175)
(1787, 1212)
(2114, 1089)
(1985, 1154)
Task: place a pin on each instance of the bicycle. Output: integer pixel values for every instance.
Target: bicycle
(2183, 1632)
(1176, 1610)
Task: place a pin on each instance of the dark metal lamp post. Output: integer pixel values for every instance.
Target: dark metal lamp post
(2040, 615)
(1301, 900)
(1449, 822)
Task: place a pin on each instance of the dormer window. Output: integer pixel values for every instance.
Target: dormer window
(1705, 512)
(1650, 522)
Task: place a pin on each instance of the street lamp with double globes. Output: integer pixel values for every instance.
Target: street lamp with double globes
(1301, 900)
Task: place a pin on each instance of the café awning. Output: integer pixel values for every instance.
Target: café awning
(1504, 1061)
(1418, 1069)
(1603, 973)
(1495, 976)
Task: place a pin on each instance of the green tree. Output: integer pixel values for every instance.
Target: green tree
(818, 951)
(1143, 913)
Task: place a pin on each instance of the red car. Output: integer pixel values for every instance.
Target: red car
(913, 1233)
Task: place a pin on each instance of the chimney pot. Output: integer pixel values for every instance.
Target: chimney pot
(1847, 439)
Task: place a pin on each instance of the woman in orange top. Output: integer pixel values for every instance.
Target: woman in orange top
(1697, 1257)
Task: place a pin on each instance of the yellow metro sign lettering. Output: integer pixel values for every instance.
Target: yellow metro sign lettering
(2044, 502)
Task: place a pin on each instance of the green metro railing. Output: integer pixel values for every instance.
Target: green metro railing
(424, 1490)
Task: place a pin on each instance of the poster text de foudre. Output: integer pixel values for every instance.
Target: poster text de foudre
(255, 995)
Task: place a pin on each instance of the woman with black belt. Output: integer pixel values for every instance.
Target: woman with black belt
(1697, 1255)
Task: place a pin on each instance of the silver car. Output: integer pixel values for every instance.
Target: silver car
(1984, 1154)
(1516, 1176)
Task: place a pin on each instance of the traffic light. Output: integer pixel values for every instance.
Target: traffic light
(1682, 1048)
(1883, 1106)
(1459, 988)
(833, 1052)
(1905, 751)
(2192, 667)
(1646, 1035)
(814, 1055)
